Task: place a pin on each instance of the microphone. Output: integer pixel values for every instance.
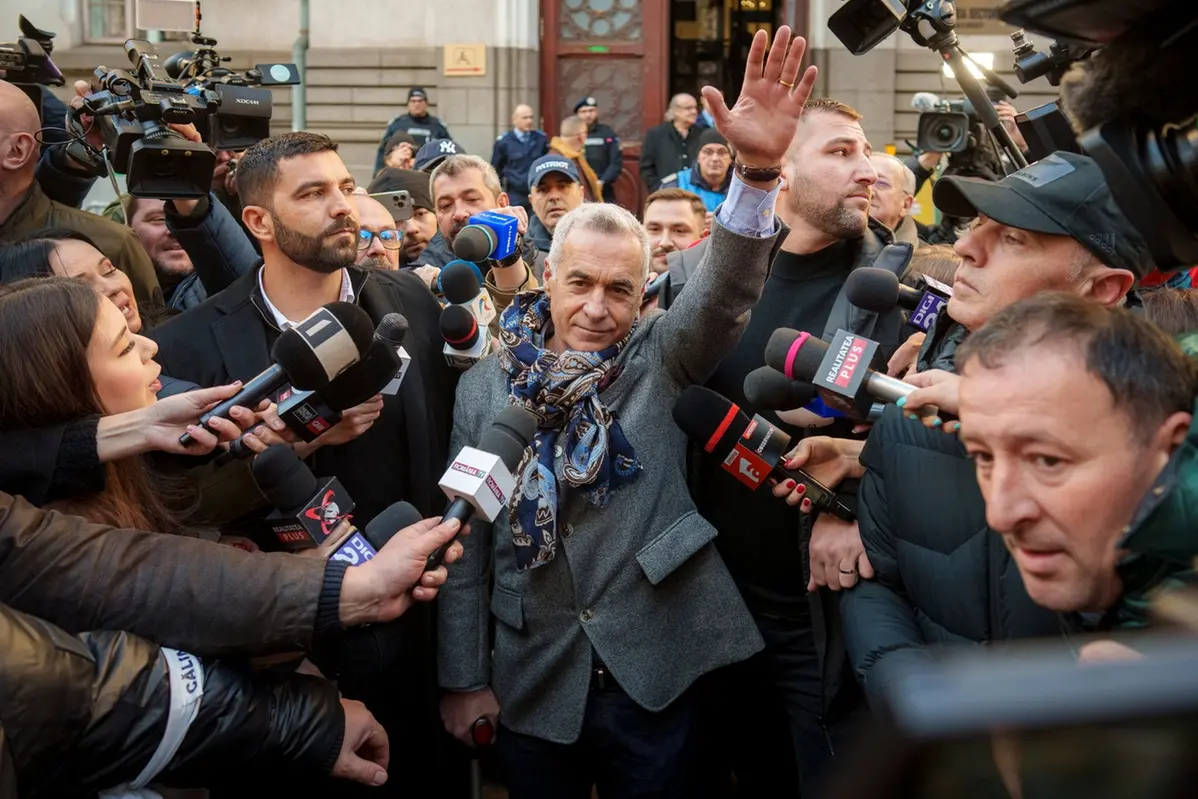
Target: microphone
(361, 546)
(307, 356)
(750, 451)
(393, 329)
(878, 290)
(793, 402)
(840, 371)
(487, 235)
(480, 479)
(460, 285)
(466, 342)
(306, 510)
(925, 102)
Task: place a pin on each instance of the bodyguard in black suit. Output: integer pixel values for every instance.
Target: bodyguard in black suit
(296, 190)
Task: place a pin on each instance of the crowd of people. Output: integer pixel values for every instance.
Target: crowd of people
(640, 619)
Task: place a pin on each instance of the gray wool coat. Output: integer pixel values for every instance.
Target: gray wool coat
(639, 580)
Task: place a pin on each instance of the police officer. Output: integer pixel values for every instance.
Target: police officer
(417, 123)
(603, 147)
(515, 152)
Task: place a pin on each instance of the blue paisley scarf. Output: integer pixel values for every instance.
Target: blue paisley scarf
(561, 390)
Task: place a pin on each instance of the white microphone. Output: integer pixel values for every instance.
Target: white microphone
(466, 341)
(480, 479)
(925, 101)
(459, 284)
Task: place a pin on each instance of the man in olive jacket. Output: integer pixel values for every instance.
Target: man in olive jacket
(24, 208)
(609, 597)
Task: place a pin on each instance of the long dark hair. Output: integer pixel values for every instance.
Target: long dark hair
(46, 325)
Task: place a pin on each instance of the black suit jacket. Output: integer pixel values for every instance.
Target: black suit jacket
(229, 336)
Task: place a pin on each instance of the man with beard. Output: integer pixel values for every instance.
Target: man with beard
(555, 189)
(464, 185)
(171, 262)
(379, 239)
(296, 192)
(800, 680)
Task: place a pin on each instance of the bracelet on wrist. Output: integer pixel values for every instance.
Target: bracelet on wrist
(759, 174)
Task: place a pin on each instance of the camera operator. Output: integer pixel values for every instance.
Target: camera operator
(464, 185)
(940, 576)
(25, 208)
(109, 708)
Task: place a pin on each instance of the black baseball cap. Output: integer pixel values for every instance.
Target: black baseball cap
(434, 152)
(552, 163)
(1062, 194)
(415, 92)
(586, 102)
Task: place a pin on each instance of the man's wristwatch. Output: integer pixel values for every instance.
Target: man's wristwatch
(758, 173)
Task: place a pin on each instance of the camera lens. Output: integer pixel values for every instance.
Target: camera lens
(945, 134)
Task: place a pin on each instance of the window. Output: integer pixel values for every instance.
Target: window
(114, 21)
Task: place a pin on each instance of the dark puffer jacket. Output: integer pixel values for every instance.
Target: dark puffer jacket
(79, 714)
(943, 577)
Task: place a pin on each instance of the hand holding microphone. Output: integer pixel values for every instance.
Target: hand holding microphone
(828, 460)
(937, 391)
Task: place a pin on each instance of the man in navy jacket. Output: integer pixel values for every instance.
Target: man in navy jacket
(515, 152)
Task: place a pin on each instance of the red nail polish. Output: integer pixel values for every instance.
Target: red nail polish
(790, 484)
(806, 504)
(801, 489)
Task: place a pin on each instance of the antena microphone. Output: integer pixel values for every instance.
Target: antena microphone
(750, 451)
(307, 356)
(480, 479)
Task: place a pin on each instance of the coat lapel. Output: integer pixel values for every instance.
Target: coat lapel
(240, 331)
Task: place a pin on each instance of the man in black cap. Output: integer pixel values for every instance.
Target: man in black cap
(514, 153)
(418, 229)
(711, 174)
(433, 152)
(942, 575)
(602, 147)
(399, 151)
(555, 188)
(417, 123)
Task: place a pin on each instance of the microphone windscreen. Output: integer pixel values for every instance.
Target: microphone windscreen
(770, 389)
(872, 289)
(459, 282)
(302, 362)
(459, 328)
(474, 243)
(794, 354)
(925, 101)
(509, 435)
(709, 419)
(393, 519)
(392, 329)
(283, 478)
(364, 379)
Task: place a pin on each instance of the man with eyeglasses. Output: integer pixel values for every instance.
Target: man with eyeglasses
(379, 241)
(672, 146)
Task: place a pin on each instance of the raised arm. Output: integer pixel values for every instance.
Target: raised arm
(709, 317)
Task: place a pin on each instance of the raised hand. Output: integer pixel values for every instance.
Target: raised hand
(763, 122)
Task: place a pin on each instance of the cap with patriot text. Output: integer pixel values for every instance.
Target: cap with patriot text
(552, 163)
(434, 151)
(1062, 194)
(416, 92)
(586, 102)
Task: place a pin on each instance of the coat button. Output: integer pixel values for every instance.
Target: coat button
(586, 615)
(567, 531)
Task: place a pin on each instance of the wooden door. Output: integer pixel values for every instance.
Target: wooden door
(614, 51)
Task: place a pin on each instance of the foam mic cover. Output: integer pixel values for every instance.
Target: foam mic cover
(770, 389)
(872, 289)
(306, 366)
(474, 243)
(364, 379)
(796, 355)
(393, 519)
(709, 419)
(283, 478)
(509, 435)
(459, 328)
(459, 283)
(392, 329)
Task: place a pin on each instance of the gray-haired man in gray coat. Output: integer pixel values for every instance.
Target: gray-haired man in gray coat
(609, 597)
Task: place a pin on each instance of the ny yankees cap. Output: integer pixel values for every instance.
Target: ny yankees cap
(1062, 194)
(551, 163)
(434, 152)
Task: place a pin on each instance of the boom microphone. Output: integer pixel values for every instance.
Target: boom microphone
(751, 451)
(307, 356)
(480, 479)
